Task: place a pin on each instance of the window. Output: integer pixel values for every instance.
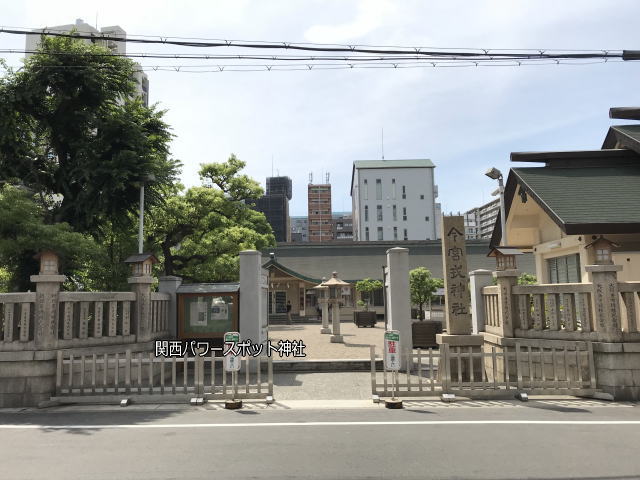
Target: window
(378, 189)
(395, 213)
(426, 219)
(379, 212)
(421, 197)
(366, 213)
(393, 188)
(380, 233)
(564, 269)
(366, 234)
(395, 233)
(404, 213)
(366, 190)
(378, 297)
(406, 235)
(404, 192)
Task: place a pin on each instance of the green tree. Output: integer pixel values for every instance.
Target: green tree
(422, 287)
(23, 234)
(199, 234)
(71, 131)
(527, 279)
(366, 287)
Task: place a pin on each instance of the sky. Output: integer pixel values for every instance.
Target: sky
(294, 123)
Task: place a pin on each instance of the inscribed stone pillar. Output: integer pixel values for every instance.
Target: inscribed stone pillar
(456, 279)
(141, 286)
(398, 298)
(506, 279)
(605, 300)
(253, 297)
(46, 314)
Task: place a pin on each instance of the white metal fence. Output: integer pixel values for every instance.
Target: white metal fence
(563, 368)
(145, 378)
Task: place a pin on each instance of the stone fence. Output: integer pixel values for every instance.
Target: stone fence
(34, 326)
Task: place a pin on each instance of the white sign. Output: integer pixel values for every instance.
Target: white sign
(231, 361)
(392, 350)
(198, 313)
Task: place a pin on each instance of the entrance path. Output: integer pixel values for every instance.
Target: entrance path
(319, 346)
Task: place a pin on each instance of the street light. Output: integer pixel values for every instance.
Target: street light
(150, 177)
(495, 174)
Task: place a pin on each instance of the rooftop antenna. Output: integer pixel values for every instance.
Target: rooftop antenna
(96, 19)
(272, 164)
(382, 143)
(327, 178)
(310, 177)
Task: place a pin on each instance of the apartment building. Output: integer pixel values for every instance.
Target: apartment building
(319, 212)
(479, 221)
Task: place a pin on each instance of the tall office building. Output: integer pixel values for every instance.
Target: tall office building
(275, 206)
(319, 212)
(394, 200)
(115, 46)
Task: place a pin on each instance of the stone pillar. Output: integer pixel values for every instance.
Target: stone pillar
(141, 286)
(605, 300)
(325, 316)
(478, 279)
(398, 298)
(46, 313)
(335, 321)
(169, 284)
(506, 279)
(253, 298)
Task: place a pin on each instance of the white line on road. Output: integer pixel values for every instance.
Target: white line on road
(320, 424)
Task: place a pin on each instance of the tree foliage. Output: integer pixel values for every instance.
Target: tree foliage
(366, 286)
(527, 279)
(71, 131)
(23, 233)
(422, 287)
(199, 234)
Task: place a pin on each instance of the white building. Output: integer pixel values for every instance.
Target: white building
(116, 47)
(394, 200)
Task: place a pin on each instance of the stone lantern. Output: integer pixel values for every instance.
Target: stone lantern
(505, 257)
(49, 262)
(323, 297)
(335, 298)
(602, 248)
(141, 264)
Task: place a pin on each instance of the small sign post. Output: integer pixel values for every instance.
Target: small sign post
(392, 362)
(232, 364)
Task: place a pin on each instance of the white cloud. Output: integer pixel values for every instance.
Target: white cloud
(371, 15)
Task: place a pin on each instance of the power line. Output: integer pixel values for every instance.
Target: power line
(524, 54)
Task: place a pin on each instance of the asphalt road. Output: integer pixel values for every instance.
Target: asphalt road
(478, 440)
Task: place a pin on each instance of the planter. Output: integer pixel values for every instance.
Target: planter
(424, 333)
(364, 319)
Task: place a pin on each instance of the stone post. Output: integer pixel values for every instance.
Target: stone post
(506, 279)
(336, 337)
(253, 298)
(478, 279)
(605, 300)
(48, 283)
(398, 298)
(141, 286)
(325, 313)
(169, 284)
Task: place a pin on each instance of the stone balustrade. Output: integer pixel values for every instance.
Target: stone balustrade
(17, 313)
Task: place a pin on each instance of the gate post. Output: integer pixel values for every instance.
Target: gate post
(48, 283)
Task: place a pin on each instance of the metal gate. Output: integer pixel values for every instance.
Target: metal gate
(145, 378)
(481, 372)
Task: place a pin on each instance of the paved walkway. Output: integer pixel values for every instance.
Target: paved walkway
(318, 346)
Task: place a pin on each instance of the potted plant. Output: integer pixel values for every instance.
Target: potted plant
(365, 317)
(422, 287)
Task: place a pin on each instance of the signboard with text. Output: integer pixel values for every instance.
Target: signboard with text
(392, 350)
(231, 360)
(456, 276)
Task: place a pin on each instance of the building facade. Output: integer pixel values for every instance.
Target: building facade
(319, 212)
(394, 200)
(299, 229)
(342, 226)
(275, 206)
(116, 47)
(479, 221)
